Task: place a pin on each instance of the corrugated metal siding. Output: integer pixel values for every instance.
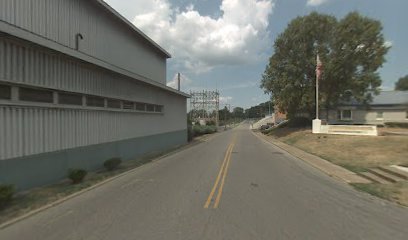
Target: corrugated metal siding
(104, 37)
(37, 66)
(26, 130)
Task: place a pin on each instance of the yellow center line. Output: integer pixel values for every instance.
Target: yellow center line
(221, 176)
(217, 200)
(207, 203)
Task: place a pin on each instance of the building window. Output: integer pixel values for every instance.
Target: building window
(338, 115)
(140, 106)
(380, 115)
(158, 108)
(346, 115)
(94, 101)
(35, 95)
(69, 98)
(5, 92)
(113, 103)
(128, 105)
(150, 107)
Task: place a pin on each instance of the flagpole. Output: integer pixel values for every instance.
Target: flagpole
(317, 94)
(316, 123)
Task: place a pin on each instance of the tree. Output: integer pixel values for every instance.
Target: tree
(402, 84)
(351, 50)
(238, 112)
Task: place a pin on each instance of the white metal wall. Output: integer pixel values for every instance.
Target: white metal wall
(26, 130)
(29, 64)
(105, 37)
(31, 130)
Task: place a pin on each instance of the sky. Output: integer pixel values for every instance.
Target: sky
(226, 44)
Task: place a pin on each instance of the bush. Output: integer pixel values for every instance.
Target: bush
(396, 124)
(6, 194)
(201, 130)
(299, 122)
(190, 133)
(76, 175)
(112, 164)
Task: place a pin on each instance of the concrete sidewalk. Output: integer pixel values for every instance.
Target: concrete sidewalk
(317, 162)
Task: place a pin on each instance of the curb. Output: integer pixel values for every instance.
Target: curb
(319, 163)
(103, 182)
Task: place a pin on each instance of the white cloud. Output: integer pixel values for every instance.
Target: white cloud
(201, 43)
(388, 43)
(315, 2)
(225, 99)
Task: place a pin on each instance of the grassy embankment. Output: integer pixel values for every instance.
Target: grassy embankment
(356, 153)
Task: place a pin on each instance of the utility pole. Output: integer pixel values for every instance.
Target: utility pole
(178, 81)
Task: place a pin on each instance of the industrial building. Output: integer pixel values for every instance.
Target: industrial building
(79, 84)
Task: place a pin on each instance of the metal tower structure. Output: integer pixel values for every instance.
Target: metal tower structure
(205, 105)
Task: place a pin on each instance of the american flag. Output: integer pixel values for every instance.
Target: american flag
(319, 67)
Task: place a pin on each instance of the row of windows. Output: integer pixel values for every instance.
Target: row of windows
(68, 98)
(347, 115)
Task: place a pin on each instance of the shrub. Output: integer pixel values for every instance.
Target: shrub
(396, 124)
(112, 164)
(201, 130)
(6, 194)
(299, 122)
(190, 133)
(76, 175)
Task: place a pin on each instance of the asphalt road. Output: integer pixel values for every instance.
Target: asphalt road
(233, 186)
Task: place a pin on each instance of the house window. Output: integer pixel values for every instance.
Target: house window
(35, 95)
(94, 101)
(128, 105)
(113, 103)
(346, 114)
(5, 92)
(69, 98)
(379, 115)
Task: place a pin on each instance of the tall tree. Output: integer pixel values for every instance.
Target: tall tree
(351, 50)
(402, 84)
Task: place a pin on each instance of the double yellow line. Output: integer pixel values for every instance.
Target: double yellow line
(221, 177)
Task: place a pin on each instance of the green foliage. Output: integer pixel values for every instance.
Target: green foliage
(351, 49)
(190, 133)
(112, 164)
(6, 194)
(396, 124)
(299, 122)
(402, 84)
(76, 175)
(260, 110)
(201, 130)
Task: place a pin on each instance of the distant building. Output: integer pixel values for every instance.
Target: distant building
(79, 84)
(388, 106)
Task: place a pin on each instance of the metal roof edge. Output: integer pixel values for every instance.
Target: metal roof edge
(47, 43)
(132, 26)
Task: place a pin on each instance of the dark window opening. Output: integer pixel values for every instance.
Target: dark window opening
(5, 92)
(127, 105)
(69, 98)
(113, 103)
(35, 95)
(150, 107)
(158, 108)
(140, 106)
(94, 101)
